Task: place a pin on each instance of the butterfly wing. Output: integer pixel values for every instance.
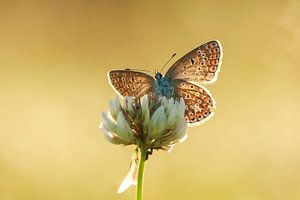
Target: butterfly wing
(201, 65)
(198, 101)
(131, 83)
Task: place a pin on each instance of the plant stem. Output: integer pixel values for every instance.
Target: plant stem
(139, 187)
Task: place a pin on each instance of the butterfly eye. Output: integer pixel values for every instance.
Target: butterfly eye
(203, 54)
(205, 58)
(198, 52)
(202, 63)
(123, 78)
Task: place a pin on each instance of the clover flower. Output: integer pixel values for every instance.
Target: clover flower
(149, 124)
(153, 124)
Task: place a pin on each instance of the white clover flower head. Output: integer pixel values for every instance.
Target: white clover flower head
(153, 124)
(149, 124)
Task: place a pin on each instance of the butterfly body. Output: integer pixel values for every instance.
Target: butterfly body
(182, 80)
(163, 86)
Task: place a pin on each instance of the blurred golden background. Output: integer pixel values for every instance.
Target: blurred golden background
(54, 56)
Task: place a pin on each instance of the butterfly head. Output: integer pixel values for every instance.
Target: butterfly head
(158, 75)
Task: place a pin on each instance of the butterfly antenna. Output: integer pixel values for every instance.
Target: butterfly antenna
(168, 62)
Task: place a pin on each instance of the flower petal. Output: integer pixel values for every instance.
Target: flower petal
(110, 136)
(114, 107)
(157, 123)
(124, 130)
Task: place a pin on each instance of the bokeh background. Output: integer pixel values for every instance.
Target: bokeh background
(54, 56)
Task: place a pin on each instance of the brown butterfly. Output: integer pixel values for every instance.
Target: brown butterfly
(182, 80)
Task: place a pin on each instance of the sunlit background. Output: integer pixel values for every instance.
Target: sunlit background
(54, 57)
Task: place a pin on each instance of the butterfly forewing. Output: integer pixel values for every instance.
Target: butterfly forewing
(198, 101)
(201, 65)
(131, 83)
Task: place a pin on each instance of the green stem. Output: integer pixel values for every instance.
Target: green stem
(139, 187)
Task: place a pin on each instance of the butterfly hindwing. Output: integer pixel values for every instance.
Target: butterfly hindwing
(201, 65)
(198, 101)
(131, 83)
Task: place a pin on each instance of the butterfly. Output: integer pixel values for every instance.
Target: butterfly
(199, 66)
